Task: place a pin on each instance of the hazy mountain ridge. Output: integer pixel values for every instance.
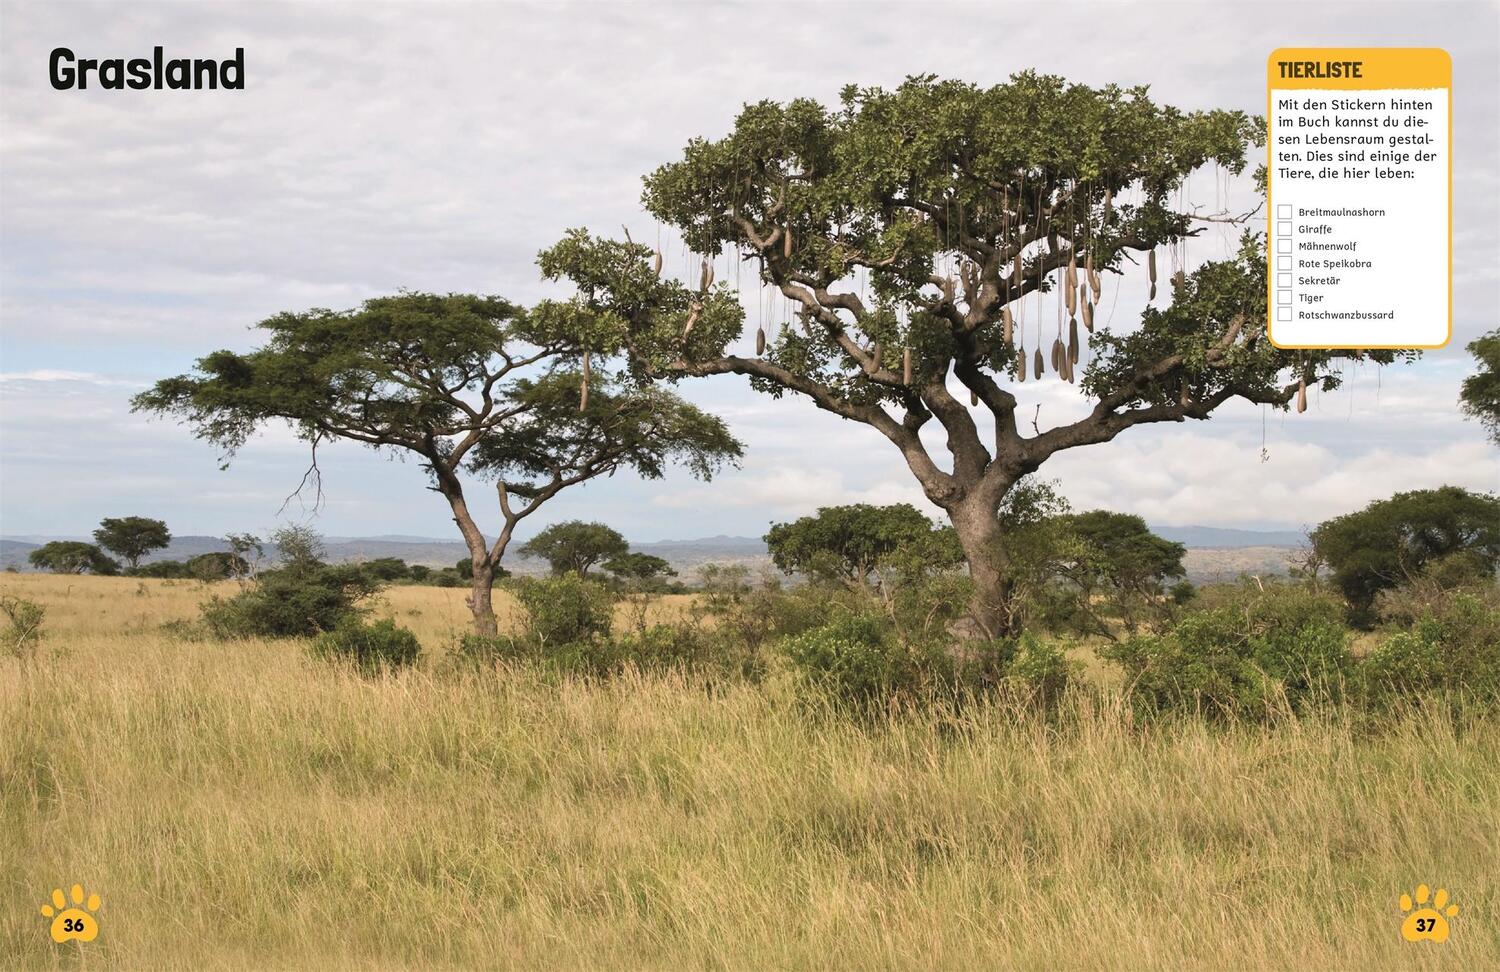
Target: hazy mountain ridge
(1213, 552)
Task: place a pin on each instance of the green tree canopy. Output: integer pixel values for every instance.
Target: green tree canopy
(216, 565)
(1389, 543)
(1121, 558)
(941, 242)
(639, 567)
(72, 557)
(1480, 396)
(1124, 551)
(574, 546)
(469, 385)
(132, 537)
(387, 568)
(847, 542)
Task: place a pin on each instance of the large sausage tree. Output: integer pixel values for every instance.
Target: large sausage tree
(937, 245)
(471, 386)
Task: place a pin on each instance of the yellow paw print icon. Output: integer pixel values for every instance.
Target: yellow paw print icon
(1427, 922)
(72, 924)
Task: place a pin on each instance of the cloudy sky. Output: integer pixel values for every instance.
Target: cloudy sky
(438, 147)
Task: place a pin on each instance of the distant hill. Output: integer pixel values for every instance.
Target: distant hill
(1213, 552)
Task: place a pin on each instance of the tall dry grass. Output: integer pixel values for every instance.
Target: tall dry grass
(242, 805)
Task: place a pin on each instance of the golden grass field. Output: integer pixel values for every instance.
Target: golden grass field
(243, 805)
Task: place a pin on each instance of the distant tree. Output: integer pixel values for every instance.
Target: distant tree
(420, 572)
(1306, 563)
(298, 547)
(387, 568)
(911, 232)
(132, 537)
(1122, 559)
(575, 546)
(216, 565)
(470, 385)
(846, 542)
(247, 547)
(72, 557)
(1389, 543)
(641, 578)
(1480, 397)
(639, 567)
(724, 584)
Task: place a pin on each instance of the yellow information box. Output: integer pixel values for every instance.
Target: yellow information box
(1359, 216)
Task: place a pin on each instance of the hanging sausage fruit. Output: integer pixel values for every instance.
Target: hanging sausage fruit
(583, 385)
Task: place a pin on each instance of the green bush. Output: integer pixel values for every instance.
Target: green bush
(564, 610)
(23, 626)
(853, 659)
(667, 647)
(1242, 658)
(381, 646)
(294, 601)
(859, 659)
(387, 568)
(1035, 669)
(474, 650)
(1455, 648)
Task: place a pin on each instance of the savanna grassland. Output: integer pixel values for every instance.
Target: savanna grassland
(243, 804)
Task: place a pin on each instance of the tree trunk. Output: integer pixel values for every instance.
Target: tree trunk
(480, 599)
(480, 556)
(979, 534)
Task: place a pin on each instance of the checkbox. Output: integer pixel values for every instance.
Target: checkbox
(1283, 263)
(1283, 229)
(1283, 313)
(1283, 245)
(1283, 280)
(1283, 296)
(1284, 211)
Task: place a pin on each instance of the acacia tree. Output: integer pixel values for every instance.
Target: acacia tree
(132, 537)
(574, 545)
(1121, 557)
(906, 228)
(847, 542)
(469, 385)
(1391, 542)
(72, 557)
